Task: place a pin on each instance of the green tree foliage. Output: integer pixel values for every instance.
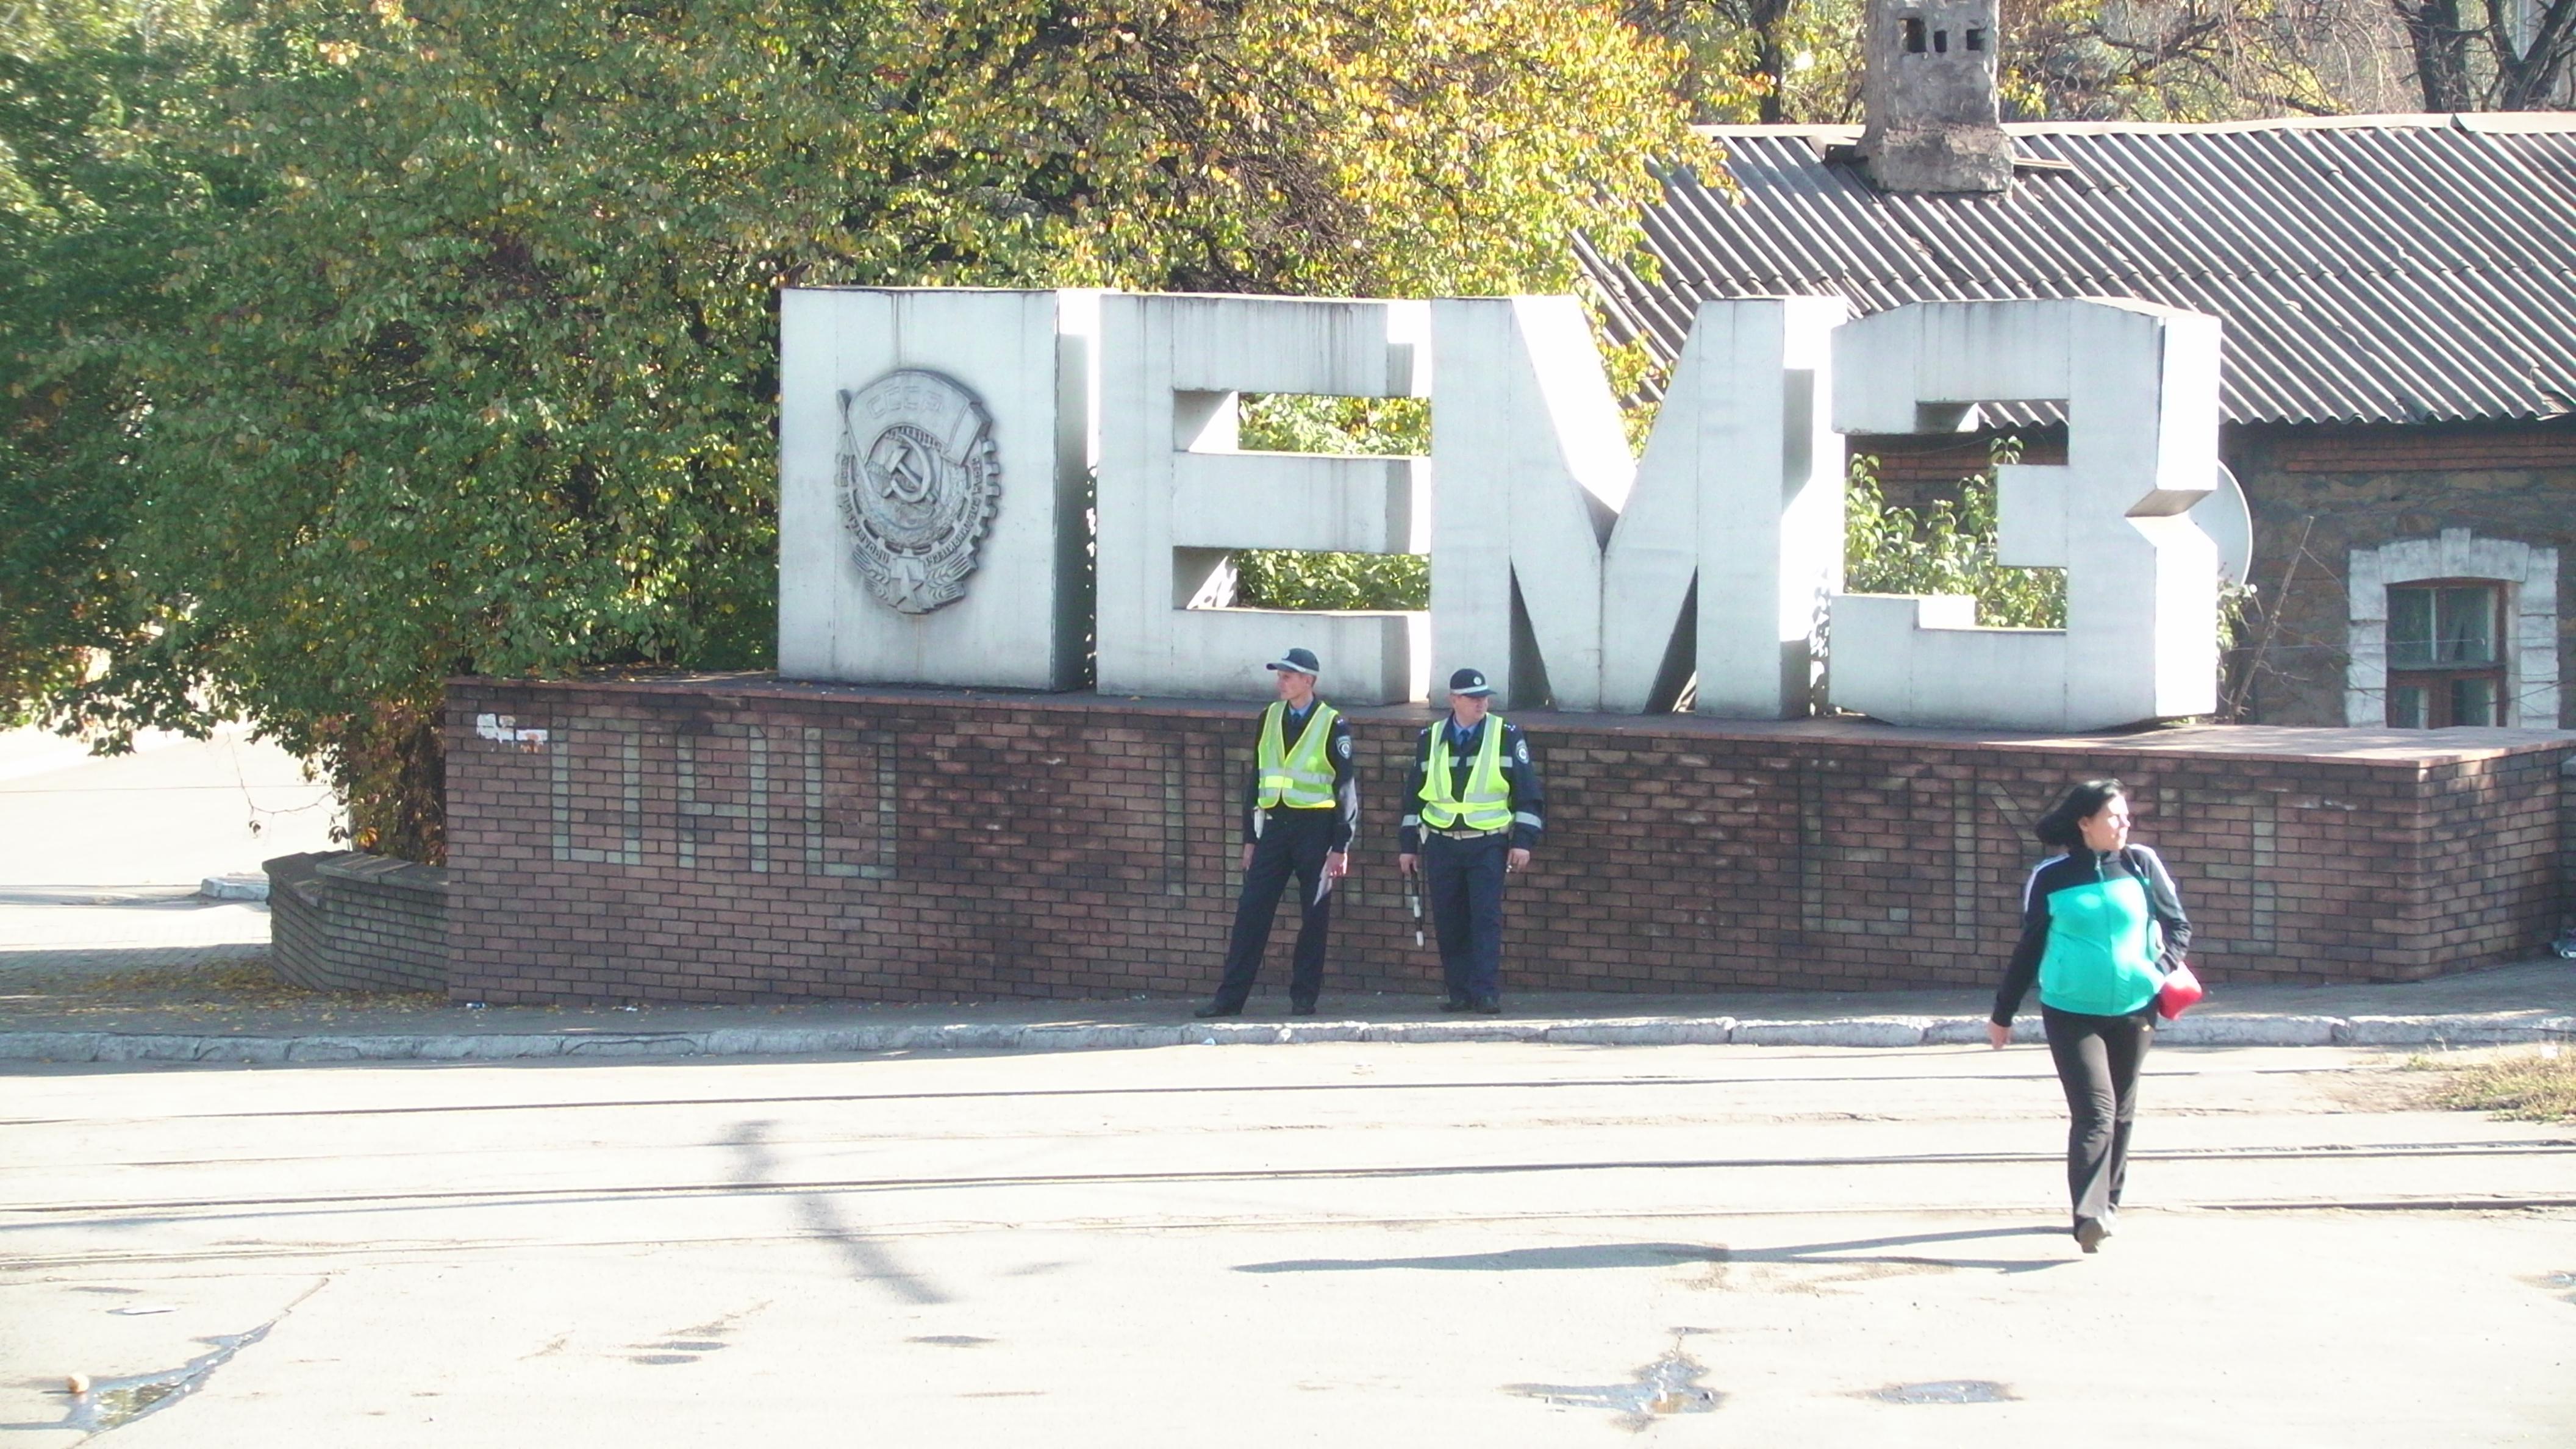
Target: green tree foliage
(1767, 61)
(467, 364)
(2169, 60)
(94, 190)
(1944, 548)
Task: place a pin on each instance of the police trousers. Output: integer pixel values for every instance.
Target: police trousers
(1292, 843)
(1462, 883)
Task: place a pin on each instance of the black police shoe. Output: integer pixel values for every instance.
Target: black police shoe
(1455, 1003)
(1301, 1008)
(1216, 1009)
(1489, 1007)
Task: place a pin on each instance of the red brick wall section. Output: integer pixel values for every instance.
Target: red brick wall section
(742, 839)
(347, 921)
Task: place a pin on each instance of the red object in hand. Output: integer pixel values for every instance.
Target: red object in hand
(2180, 992)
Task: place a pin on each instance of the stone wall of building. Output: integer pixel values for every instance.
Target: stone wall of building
(733, 839)
(2320, 494)
(348, 921)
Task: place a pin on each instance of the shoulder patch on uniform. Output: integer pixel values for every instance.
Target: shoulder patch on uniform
(1343, 746)
(1522, 750)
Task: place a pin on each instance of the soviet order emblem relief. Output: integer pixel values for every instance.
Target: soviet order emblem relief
(918, 480)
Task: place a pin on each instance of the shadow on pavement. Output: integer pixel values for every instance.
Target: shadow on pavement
(1660, 1255)
(870, 1261)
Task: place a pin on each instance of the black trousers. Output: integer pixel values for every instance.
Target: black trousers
(1462, 883)
(1293, 842)
(2098, 1058)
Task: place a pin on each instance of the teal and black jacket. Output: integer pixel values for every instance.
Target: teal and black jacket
(2098, 934)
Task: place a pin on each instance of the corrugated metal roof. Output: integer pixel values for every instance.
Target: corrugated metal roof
(2369, 269)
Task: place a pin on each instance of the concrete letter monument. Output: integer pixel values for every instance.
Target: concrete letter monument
(934, 450)
(935, 447)
(1177, 495)
(1569, 571)
(2140, 384)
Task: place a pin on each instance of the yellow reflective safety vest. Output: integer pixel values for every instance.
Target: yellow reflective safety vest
(1299, 778)
(1488, 803)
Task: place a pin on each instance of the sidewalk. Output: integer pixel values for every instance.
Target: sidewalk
(222, 1006)
(108, 955)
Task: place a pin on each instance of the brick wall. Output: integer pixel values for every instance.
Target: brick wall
(1918, 470)
(2567, 833)
(2337, 489)
(2451, 448)
(348, 921)
(733, 839)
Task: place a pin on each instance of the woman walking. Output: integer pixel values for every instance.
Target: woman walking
(2100, 927)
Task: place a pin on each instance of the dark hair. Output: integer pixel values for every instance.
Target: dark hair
(2058, 827)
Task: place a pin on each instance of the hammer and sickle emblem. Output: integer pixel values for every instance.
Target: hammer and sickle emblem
(918, 497)
(904, 473)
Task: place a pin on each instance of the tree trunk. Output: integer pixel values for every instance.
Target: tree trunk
(2441, 46)
(392, 771)
(1769, 58)
(2529, 79)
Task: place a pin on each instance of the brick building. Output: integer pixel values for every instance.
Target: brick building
(2399, 295)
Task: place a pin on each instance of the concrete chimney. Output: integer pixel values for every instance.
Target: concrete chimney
(1929, 91)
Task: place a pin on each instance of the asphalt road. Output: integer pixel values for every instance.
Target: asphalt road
(76, 827)
(1360, 1245)
(101, 857)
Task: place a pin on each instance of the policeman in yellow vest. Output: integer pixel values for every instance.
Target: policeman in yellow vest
(1476, 811)
(1299, 812)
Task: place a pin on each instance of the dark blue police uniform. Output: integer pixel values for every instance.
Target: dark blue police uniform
(1463, 870)
(1290, 841)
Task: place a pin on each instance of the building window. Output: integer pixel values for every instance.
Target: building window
(2445, 660)
(2455, 630)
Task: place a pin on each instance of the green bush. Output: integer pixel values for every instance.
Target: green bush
(1946, 548)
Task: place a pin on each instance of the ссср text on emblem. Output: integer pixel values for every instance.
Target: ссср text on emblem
(918, 480)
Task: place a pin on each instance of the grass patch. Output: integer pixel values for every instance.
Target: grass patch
(2528, 1086)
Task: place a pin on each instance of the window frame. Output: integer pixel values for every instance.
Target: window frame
(2439, 680)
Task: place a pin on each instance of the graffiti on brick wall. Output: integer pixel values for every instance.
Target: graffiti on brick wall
(703, 837)
(761, 798)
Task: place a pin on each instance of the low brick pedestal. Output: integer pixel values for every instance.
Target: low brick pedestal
(741, 838)
(348, 921)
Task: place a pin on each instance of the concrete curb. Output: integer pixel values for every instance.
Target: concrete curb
(2480, 1029)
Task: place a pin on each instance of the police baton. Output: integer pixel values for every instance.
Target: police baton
(1413, 898)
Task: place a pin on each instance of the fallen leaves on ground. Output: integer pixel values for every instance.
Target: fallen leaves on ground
(212, 987)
